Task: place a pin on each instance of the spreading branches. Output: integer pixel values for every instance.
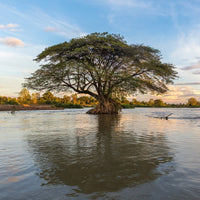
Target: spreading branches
(100, 64)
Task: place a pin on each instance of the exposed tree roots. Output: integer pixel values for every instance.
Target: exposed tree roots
(108, 107)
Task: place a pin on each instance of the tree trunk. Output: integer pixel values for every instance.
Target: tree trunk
(106, 106)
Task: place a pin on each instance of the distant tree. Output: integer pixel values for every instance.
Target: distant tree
(159, 102)
(3, 99)
(192, 101)
(48, 97)
(151, 102)
(101, 65)
(12, 101)
(74, 98)
(66, 99)
(35, 98)
(124, 100)
(135, 102)
(93, 101)
(24, 96)
(84, 100)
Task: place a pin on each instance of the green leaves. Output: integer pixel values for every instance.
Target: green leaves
(101, 64)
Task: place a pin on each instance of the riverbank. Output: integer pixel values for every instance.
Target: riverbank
(28, 107)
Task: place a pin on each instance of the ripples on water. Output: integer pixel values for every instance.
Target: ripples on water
(71, 155)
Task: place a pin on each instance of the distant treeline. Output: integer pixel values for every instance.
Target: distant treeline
(73, 101)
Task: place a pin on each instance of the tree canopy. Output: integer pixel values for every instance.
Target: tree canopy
(101, 65)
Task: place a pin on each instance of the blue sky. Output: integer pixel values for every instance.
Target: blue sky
(173, 27)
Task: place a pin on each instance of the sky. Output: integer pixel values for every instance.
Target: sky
(173, 27)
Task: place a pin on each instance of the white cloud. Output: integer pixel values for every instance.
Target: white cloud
(188, 47)
(12, 42)
(60, 26)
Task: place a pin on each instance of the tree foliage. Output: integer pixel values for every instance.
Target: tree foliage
(192, 101)
(101, 65)
(24, 96)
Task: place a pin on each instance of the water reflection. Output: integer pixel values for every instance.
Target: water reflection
(102, 158)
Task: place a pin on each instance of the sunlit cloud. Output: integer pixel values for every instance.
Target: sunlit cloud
(180, 93)
(12, 25)
(175, 94)
(190, 67)
(12, 42)
(10, 85)
(9, 26)
(50, 29)
(191, 83)
(195, 66)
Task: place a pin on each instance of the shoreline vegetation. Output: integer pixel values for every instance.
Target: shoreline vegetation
(47, 101)
(28, 107)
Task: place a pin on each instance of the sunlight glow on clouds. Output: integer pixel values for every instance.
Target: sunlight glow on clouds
(50, 29)
(176, 94)
(191, 83)
(14, 85)
(192, 67)
(12, 42)
(11, 27)
(7, 26)
(180, 94)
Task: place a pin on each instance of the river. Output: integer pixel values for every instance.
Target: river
(67, 154)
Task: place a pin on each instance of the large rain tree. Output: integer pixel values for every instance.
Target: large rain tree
(103, 66)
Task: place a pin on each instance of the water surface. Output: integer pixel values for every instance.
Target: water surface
(72, 155)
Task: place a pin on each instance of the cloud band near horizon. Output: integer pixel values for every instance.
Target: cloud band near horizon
(192, 83)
